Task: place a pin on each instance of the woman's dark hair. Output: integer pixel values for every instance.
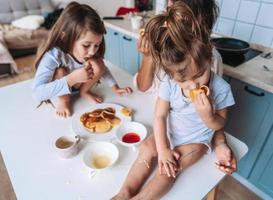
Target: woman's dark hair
(206, 11)
(74, 20)
(176, 37)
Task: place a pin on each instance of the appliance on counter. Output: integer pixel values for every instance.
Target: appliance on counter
(234, 61)
(234, 51)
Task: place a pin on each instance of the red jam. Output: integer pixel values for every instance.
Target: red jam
(130, 138)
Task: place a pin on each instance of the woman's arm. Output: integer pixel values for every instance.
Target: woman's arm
(145, 75)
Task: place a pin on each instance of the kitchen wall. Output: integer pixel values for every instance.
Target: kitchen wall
(249, 20)
(104, 7)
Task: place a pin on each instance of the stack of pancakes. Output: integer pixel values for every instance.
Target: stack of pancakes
(100, 120)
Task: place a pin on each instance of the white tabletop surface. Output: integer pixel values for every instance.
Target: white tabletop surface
(27, 137)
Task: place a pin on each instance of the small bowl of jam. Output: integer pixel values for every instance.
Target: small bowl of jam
(131, 134)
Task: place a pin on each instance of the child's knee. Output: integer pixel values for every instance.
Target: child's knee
(60, 72)
(148, 148)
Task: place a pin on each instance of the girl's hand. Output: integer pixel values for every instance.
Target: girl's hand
(167, 161)
(142, 44)
(226, 160)
(203, 107)
(83, 74)
(122, 91)
(80, 75)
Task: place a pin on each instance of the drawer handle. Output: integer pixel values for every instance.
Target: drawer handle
(128, 39)
(115, 33)
(253, 92)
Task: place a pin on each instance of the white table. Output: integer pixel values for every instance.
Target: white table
(27, 138)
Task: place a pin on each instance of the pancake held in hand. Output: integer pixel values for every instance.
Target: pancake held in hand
(194, 93)
(100, 120)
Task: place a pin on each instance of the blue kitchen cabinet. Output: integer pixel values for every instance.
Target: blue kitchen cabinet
(121, 50)
(262, 174)
(130, 56)
(112, 41)
(250, 120)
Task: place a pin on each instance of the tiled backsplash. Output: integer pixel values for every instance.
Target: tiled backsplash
(249, 20)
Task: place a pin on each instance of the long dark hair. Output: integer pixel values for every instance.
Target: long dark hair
(206, 11)
(176, 37)
(74, 20)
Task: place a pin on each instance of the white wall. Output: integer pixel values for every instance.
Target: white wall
(249, 20)
(104, 7)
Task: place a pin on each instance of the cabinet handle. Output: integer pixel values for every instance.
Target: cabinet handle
(115, 33)
(128, 39)
(261, 94)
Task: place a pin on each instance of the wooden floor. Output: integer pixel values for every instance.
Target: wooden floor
(229, 188)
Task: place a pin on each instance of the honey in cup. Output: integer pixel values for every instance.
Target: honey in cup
(63, 144)
(101, 161)
(67, 146)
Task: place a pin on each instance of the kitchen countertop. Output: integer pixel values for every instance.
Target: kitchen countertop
(251, 72)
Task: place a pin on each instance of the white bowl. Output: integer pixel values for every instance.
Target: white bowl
(100, 155)
(131, 127)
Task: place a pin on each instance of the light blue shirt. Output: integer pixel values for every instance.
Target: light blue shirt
(43, 86)
(184, 123)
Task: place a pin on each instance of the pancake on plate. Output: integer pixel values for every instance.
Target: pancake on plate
(100, 120)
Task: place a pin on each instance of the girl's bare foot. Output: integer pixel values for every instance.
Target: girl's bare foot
(63, 109)
(122, 195)
(92, 97)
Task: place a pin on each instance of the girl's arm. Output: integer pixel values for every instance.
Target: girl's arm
(217, 120)
(214, 120)
(160, 128)
(145, 75)
(43, 87)
(167, 159)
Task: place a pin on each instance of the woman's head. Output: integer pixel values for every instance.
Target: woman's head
(206, 11)
(78, 31)
(178, 43)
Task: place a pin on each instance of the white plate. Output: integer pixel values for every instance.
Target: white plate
(79, 129)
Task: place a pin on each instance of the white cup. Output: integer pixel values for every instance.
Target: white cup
(99, 156)
(132, 131)
(67, 146)
(136, 22)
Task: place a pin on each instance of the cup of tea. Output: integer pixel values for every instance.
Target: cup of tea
(136, 22)
(131, 134)
(67, 146)
(99, 156)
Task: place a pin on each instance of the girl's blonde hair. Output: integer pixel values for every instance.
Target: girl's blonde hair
(74, 20)
(176, 37)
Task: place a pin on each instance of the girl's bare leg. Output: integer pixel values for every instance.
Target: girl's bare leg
(161, 184)
(85, 87)
(140, 171)
(63, 108)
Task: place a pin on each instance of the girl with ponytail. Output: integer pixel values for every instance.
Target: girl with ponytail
(180, 47)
